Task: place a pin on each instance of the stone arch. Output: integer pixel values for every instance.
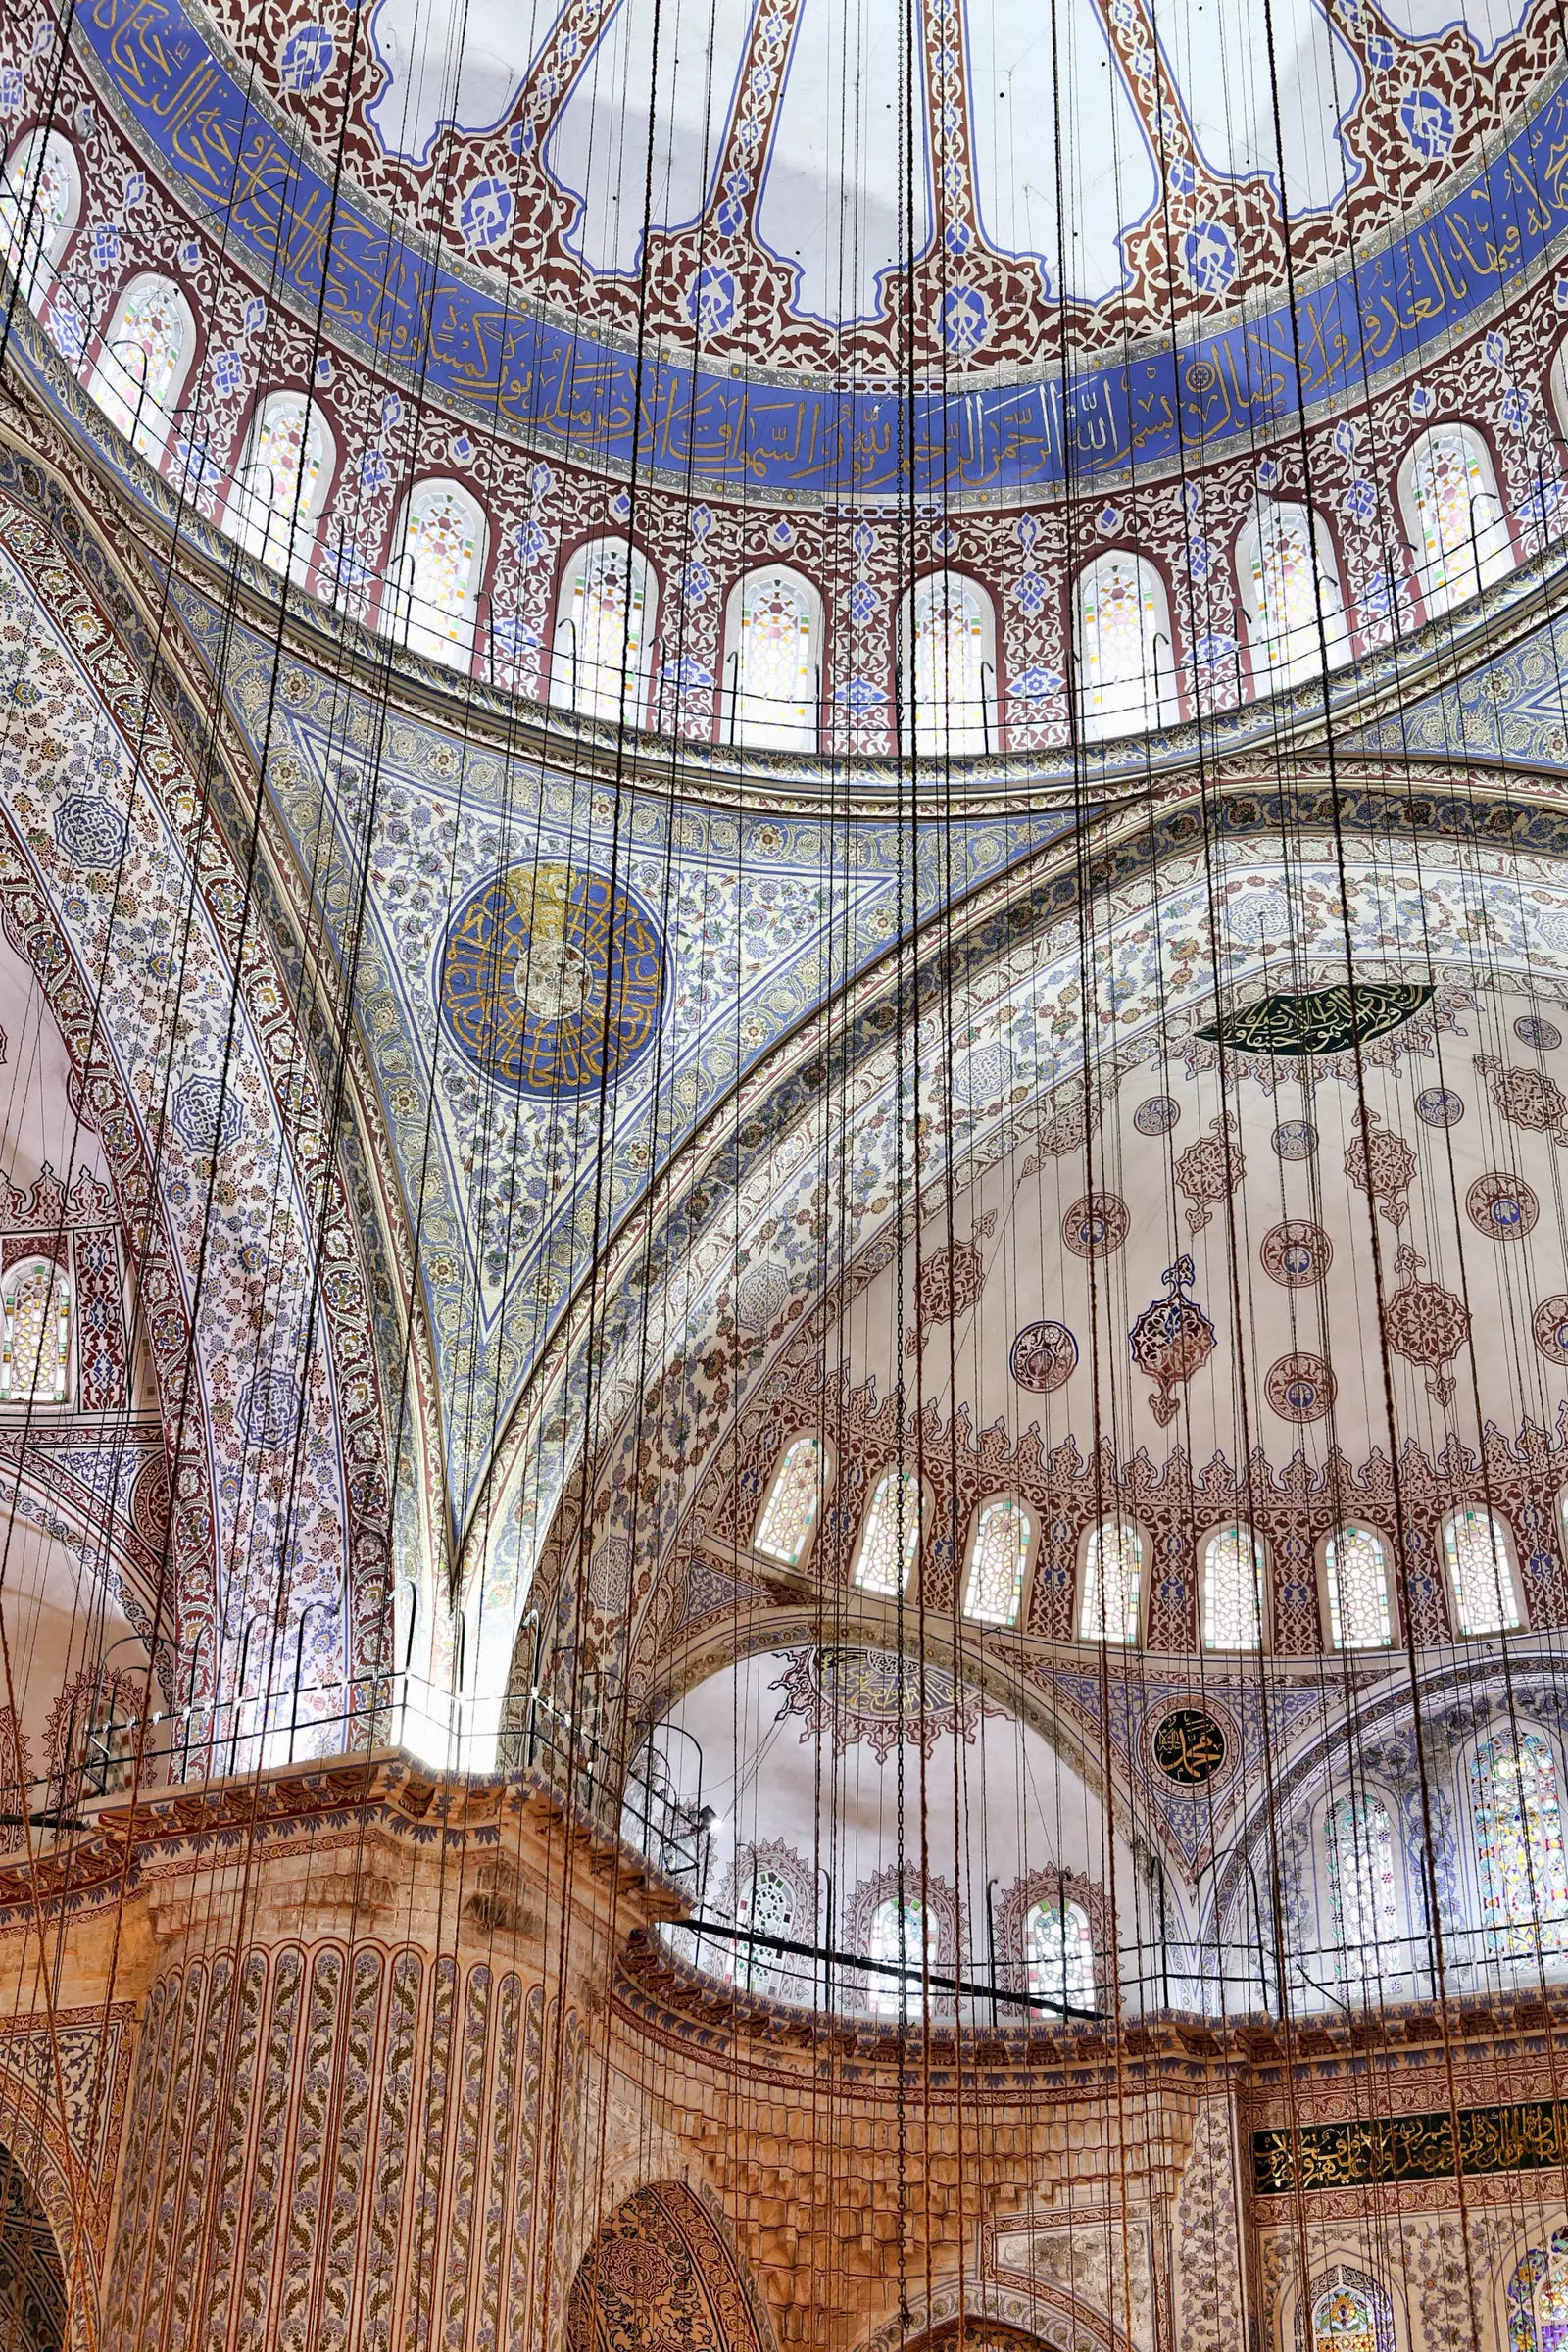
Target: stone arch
(664, 2268)
(994, 2316)
(33, 2303)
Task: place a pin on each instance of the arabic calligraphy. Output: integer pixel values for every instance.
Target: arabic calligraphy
(1319, 1020)
(1189, 1747)
(1525, 2137)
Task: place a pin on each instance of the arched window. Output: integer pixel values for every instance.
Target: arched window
(1121, 637)
(1233, 1591)
(1363, 1909)
(35, 1362)
(1114, 1574)
(789, 1516)
(1519, 1849)
(1291, 594)
(142, 361)
(604, 633)
(1346, 2317)
(947, 665)
(998, 1558)
(766, 1905)
(1481, 1578)
(1357, 1574)
(902, 1931)
(1538, 2298)
(40, 204)
(1454, 515)
(1059, 1955)
(773, 663)
(889, 1538)
(283, 480)
(435, 587)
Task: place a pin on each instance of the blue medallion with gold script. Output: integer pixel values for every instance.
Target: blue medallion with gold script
(552, 979)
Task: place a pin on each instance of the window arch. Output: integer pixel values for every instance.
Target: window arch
(1454, 515)
(998, 1555)
(604, 622)
(890, 1534)
(773, 662)
(765, 1902)
(40, 204)
(1232, 1590)
(433, 591)
(1355, 1572)
(144, 356)
(1113, 1576)
(1522, 1873)
(902, 1928)
(947, 666)
(788, 1518)
(35, 1352)
(1538, 2298)
(1350, 2313)
(1481, 1577)
(1059, 1954)
(1121, 638)
(1363, 1905)
(1290, 594)
(282, 481)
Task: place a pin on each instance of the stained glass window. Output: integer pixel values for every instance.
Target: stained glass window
(1344, 2320)
(1113, 1573)
(1233, 1591)
(1357, 1575)
(438, 574)
(40, 199)
(774, 664)
(945, 666)
(280, 486)
(1538, 2298)
(1363, 1908)
(889, 1538)
(1124, 644)
(1485, 1599)
(900, 1932)
(1288, 582)
(1518, 1820)
(1456, 517)
(1058, 1954)
(794, 1500)
(141, 361)
(765, 1904)
(996, 1560)
(37, 1358)
(603, 633)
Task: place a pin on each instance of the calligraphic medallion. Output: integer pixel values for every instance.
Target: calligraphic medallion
(552, 979)
(1190, 1746)
(1319, 1020)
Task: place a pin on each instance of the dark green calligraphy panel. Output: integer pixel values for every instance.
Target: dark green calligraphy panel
(1526, 2138)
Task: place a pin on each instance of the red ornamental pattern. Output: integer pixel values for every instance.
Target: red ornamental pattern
(1549, 1325)
(1296, 1253)
(947, 1285)
(662, 2272)
(1301, 1389)
(1383, 1165)
(1171, 1340)
(1501, 1208)
(1424, 1324)
(1210, 1170)
(1045, 1356)
(1526, 1099)
(1097, 1225)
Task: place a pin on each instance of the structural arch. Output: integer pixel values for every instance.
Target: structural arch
(32, 2276)
(664, 2267)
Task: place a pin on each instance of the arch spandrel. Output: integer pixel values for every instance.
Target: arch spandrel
(664, 2264)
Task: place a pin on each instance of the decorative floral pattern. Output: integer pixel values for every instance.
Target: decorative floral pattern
(1211, 1170)
(1171, 1341)
(1097, 1225)
(1300, 1387)
(1296, 1253)
(1503, 1207)
(1045, 1356)
(1424, 1324)
(1383, 1165)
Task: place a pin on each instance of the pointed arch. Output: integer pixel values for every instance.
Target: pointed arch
(40, 205)
(773, 662)
(1453, 516)
(664, 2267)
(145, 351)
(433, 588)
(947, 666)
(283, 480)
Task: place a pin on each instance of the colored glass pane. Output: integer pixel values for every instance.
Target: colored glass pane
(1121, 620)
(890, 1535)
(1233, 1591)
(1113, 1570)
(1288, 586)
(35, 204)
(1456, 516)
(947, 681)
(996, 1560)
(601, 657)
(282, 478)
(793, 1500)
(1058, 1954)
(775, 666)
(1363, 1910)
(143, 349)
(1519, 1848)
(1344, 2320)
(1550, 2300)
(900, 1932)
(38, 1337)
(440, 557)
(766, 1905)
(1358, 1589)
(1483, 1587)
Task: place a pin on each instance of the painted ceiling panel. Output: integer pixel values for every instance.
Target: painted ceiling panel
(1219, 60)
(450, 66)
(1487, 21)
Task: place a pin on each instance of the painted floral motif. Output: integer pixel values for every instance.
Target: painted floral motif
(1503, 1207)
(1383, 1165)
(1300, 1387)
(1526, 1099)
(1045, 1356)
(879, 1696)
(1550, 1324)
(947, 1285)
(1424, 1324)
(1097, 1225)
(1296, 1253)
(1208, 1171)
(1171, 1340)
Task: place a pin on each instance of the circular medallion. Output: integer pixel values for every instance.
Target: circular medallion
(1189, 1747)
(1544, 1035)
(1097, 1225)
(1501, 1207)
(1044, 1356)
(1301, 1389)
(1296, 1253)
(1294, 1139)
(1550, 1324)
(552, 979)
(1439, 1106)
(1158, 1116)
(761, 1295)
